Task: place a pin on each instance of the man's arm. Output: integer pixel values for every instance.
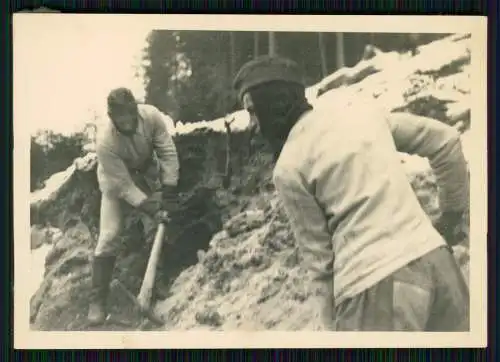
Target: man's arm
(311, 233)
(117, 179)
(166, 151)
(441, 145)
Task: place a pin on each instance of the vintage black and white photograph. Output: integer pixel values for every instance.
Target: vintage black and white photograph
(249, 179)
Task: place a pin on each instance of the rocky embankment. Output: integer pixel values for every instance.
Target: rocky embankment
(230, 260)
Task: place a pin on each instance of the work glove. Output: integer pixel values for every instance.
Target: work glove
(169, 197)
(448, 226)
(152, 206)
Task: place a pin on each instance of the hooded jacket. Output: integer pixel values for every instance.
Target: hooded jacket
(353, 211)
(120, 157)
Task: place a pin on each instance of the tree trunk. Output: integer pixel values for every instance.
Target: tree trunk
(322, 52)
(340, 50)
(226, 182)
(255, 44)
(232, 54)
(272, 43)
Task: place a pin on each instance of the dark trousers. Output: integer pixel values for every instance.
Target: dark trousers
(429, 294)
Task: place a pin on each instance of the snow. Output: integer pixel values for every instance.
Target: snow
(37, 268)
(86, 163)
(241, 122)
(52, 185)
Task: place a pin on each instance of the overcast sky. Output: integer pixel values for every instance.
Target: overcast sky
(64, 69)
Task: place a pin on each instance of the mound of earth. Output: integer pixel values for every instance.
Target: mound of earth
(230, 260)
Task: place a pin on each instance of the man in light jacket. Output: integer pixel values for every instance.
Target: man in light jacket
(134, 144)
(376, 260)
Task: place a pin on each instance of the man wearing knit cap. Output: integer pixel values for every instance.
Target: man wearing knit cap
(376, 260)
(133, 145)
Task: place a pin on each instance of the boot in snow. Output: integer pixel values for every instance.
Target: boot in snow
(102, 271)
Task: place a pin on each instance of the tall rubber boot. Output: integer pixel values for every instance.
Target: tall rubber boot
(102, 272)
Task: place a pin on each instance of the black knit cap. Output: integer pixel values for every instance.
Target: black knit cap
(266, 69)
(120, 98)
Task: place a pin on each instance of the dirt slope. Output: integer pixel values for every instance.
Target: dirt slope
(230, 261)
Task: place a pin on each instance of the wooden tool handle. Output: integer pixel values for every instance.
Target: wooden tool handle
(144, 297)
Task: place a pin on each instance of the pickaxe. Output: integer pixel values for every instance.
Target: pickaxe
(143, 299)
